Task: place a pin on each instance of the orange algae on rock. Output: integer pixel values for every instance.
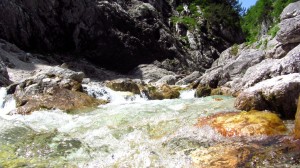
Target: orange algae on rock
(250, 123)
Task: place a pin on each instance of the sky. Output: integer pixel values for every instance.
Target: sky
(247, 3)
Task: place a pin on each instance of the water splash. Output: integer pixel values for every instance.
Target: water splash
(115, 97)
(7, 102)
(187, 94)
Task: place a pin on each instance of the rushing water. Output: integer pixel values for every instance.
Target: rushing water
(135, 133)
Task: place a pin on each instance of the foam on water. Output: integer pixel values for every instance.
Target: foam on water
(7, 102)
(187, 94)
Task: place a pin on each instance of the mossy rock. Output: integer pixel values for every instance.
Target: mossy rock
(250, 123)
(163, 92)
(203, 91)
(124, 86)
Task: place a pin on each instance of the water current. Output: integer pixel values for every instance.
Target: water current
(131, 131)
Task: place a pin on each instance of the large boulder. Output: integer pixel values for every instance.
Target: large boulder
(55, 88)
(277, 94)
(269, 68)
(290, 24)
(57, 98)
(252, 123)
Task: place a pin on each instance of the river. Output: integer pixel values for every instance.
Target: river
(132, 132)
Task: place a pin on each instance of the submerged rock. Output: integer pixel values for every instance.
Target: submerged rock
(250, 123)
(221, 156)
(277, 94)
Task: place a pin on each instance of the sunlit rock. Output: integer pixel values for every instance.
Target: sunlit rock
(58, 98)
(250, 123)
(277, 94)
(220, 156)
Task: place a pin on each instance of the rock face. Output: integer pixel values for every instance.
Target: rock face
(277, 94)
(56, 88)
(150, 72)
(117, 35)
(114, 34)
(250, 123)
(4, 78)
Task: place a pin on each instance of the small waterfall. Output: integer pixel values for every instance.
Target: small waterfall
(187, 94)
(7, 102)
(100, 92)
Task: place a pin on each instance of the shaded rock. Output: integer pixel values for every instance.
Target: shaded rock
(169, 80)
(203, 91)
(124, 86)
(189, 79)
(250, 123)
(57, 98)
(297, 120)
(4, 78)
(117, 35)
(150, 72)
(290, 24)
(277, 94)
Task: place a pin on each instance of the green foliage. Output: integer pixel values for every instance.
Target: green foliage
(263, 10)
(189, 21)
(273, 31)
(216, 12)
(234, 50)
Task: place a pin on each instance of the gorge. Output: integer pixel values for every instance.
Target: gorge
(142, 83)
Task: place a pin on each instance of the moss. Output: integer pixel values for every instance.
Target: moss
(217, 91)
(273, 31)
(234, 50)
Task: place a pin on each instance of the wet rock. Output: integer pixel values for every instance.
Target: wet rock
(55, 88)
(57, 98)
(162, 92)
(277, 94)
(297, 120)
(290, 24)
(250, 123)
(221, 156)
(124, 85)
(169, 80)
(203, 91)
(189, 79)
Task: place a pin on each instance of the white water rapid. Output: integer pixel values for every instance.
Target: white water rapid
(130, 132)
